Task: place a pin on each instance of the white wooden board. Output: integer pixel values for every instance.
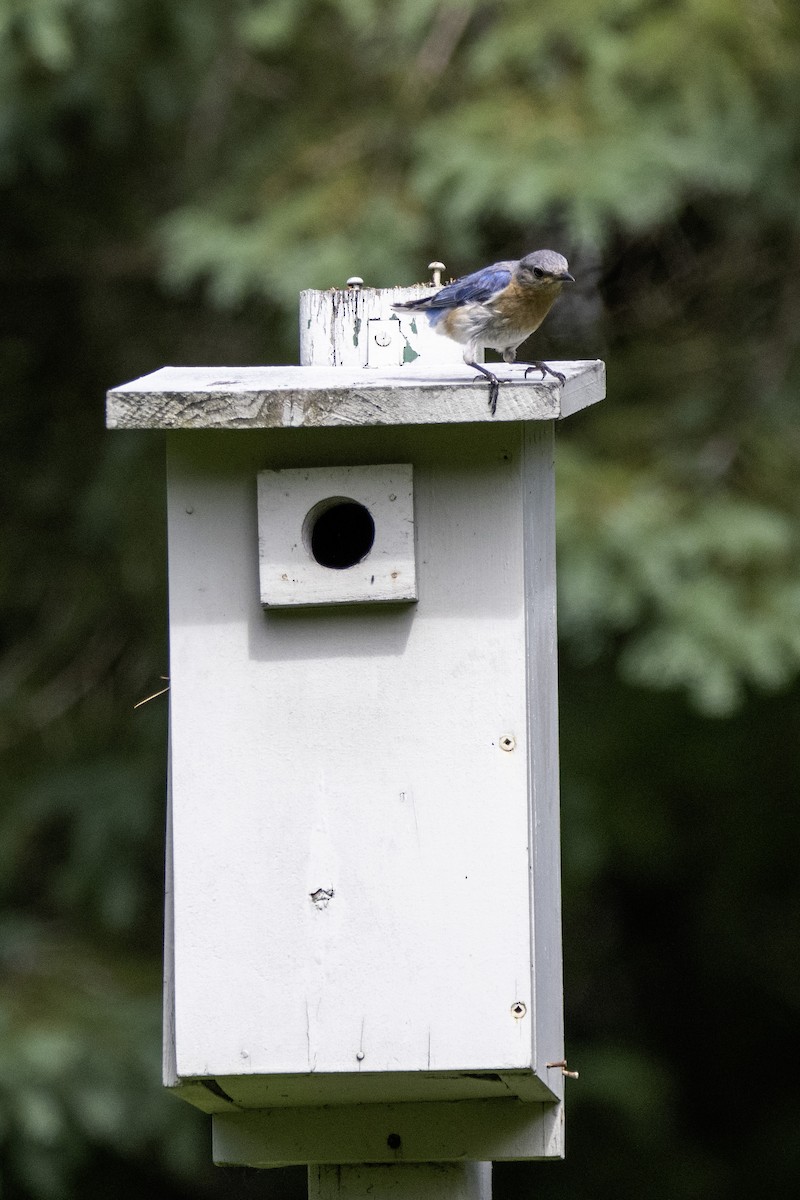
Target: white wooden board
(358, 328)
(290, 503)
(355, 852)
(482, 1130)
(309, 396)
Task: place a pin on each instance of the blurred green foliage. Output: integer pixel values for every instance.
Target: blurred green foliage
(171, 175)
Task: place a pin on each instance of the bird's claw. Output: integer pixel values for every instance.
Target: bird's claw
(494, 387)
(494, 382)
(543, 367)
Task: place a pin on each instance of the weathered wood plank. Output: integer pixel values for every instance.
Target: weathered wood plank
(303, 397)
(352, 328)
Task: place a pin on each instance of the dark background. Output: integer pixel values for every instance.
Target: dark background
(170, 177)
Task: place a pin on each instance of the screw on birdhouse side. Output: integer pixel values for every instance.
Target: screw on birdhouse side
(355, 283)
(562, 1063)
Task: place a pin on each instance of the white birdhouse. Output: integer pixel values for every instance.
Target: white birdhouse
(363, 953)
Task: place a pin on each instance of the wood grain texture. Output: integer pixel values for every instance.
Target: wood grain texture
(359, 329)
(323, 396)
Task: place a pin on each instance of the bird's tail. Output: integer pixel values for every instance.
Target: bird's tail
(425, 302)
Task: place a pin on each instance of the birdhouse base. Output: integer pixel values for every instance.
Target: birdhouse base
(476, 1131)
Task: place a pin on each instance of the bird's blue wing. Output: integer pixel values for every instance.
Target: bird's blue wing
(473, 289)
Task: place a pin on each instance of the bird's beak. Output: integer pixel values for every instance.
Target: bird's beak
(565, 277)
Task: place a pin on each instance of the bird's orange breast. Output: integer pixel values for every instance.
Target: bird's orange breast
(524, 308)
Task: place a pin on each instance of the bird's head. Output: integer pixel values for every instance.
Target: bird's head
(544, 269)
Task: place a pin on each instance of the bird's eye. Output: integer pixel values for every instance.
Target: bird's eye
(538, 273)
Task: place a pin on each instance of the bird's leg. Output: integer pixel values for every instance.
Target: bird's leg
(543, 367)
(494, 385)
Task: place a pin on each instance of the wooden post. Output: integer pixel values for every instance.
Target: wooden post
(402, 1181)
(356, 327)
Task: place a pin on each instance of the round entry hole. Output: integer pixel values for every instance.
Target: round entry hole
(339, 532)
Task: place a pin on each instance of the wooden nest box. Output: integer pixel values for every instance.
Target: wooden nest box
(363, 951)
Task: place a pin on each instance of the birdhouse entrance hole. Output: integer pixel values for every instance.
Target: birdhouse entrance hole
(339, 532)
(336, 535)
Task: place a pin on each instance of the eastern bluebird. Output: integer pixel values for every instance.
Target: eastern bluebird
(498, 306)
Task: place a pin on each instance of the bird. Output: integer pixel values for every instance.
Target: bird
(498, 306)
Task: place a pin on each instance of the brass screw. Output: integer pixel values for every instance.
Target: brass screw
(562, 1062)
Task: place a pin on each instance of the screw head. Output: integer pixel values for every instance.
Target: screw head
(437, 268)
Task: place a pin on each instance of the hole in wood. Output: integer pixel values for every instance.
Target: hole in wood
(393, 1141)
(339, 532)
(322, 897)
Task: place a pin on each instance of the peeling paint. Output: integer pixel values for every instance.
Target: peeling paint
(322, 897)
